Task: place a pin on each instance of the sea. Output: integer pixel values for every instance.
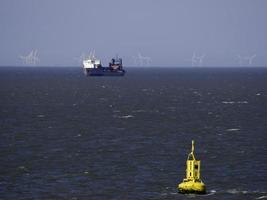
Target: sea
(67, 136)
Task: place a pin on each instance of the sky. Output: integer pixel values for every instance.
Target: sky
(167, 31)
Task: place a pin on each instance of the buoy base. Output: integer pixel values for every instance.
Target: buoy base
(192, 187)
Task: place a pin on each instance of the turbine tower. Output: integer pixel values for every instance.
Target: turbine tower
(194, 59)
(240, 60)
(200, 59)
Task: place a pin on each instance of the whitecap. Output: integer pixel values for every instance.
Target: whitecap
(172, 108)
(154, 111)
(235, 191)
(232, 129)
(233, 102)
(211, 192)
(138, 111)
(126, 116)
(212, 157)
(242, 102)
(228, 102)
(144, 90)
(197, 93)
(169, 193)
(262, 197)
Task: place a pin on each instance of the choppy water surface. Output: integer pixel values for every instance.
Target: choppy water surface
(67, 136)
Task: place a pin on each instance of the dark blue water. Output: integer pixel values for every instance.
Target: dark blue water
(67, 136)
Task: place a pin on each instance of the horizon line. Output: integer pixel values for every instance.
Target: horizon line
(152, 66)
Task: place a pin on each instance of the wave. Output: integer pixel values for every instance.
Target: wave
(262, 197)
(138, 111)
(233, 129)
(171, 193)
(236, 191)
(234, 102)
(260, 194)
(123, 116)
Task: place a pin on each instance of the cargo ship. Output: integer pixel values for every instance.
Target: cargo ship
(93, 67)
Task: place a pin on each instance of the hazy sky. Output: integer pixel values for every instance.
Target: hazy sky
(168, 31)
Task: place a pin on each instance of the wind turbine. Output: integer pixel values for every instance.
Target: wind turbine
(245, 60)
(142, 60)
(197, 60)
(35, 58)
(31, 58)
(138, 61)
(250, 59)
(148, 61)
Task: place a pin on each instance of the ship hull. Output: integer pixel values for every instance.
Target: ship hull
(103, 72)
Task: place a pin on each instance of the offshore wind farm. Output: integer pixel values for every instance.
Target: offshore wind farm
(197, 60)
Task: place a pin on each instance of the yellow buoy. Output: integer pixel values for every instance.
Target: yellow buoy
(192, 183)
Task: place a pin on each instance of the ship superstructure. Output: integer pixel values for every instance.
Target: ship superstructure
(91, 63)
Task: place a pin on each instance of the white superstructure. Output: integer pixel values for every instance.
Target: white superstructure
(91, 62)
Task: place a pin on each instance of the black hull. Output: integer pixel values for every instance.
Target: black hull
(103, 72)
